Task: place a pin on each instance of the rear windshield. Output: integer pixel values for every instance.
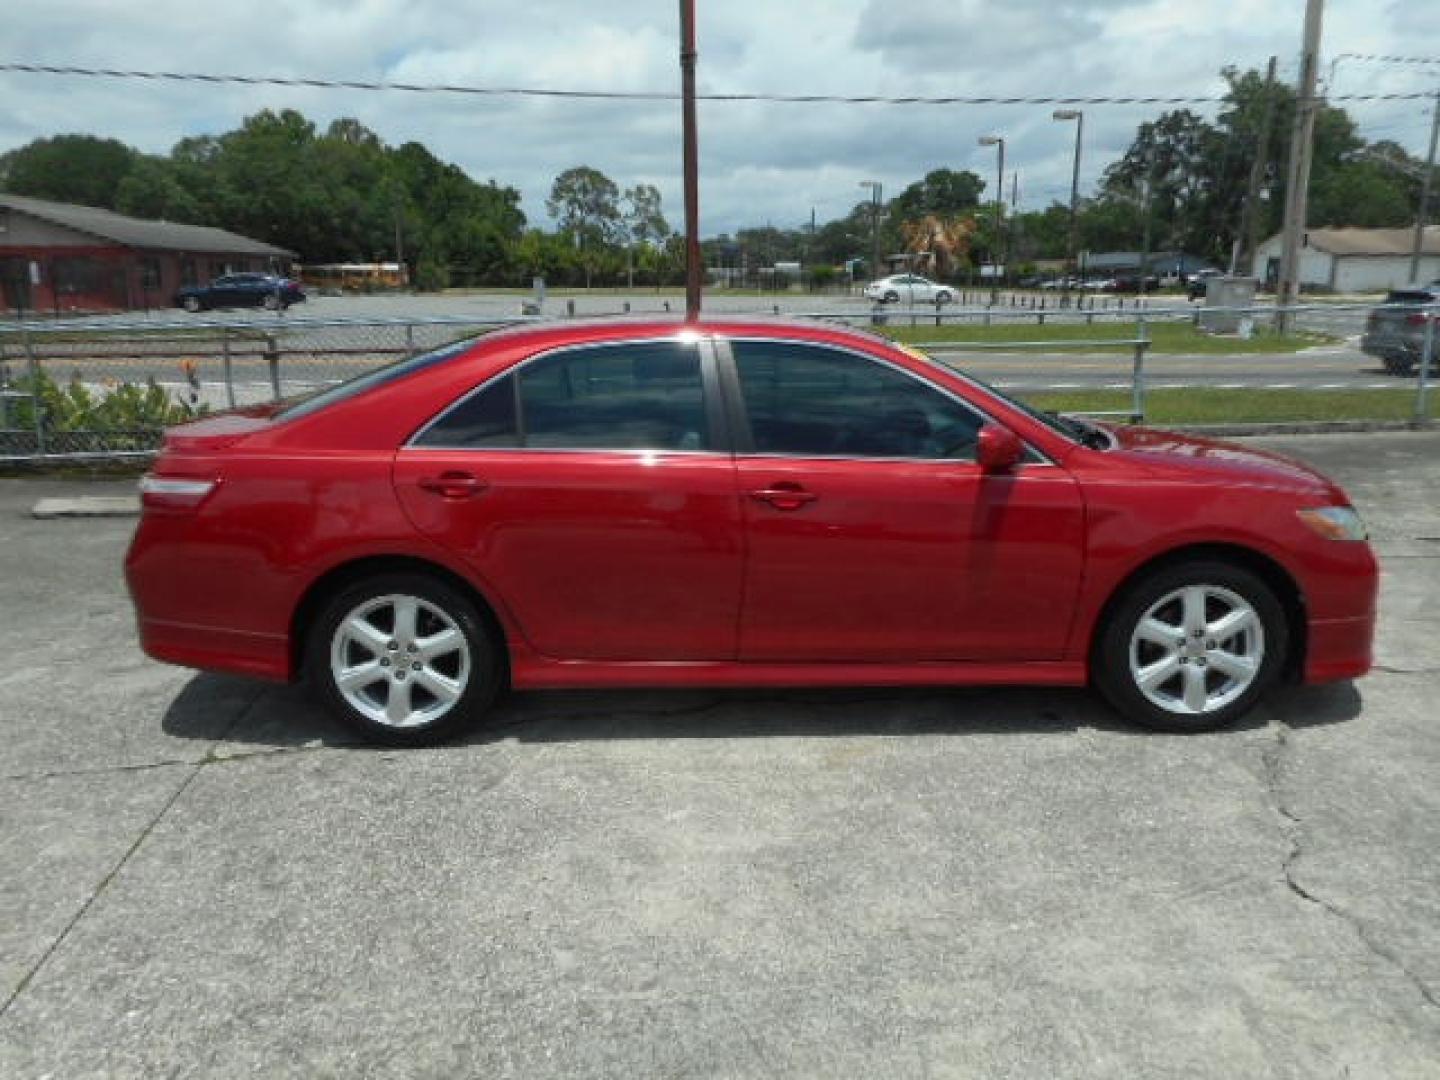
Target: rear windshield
(323, 399)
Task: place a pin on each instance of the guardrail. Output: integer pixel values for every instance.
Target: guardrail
(81, 389)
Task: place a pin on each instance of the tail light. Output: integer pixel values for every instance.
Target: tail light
(1417, 318)
(174, 492)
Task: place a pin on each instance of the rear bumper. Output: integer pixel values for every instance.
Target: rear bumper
(257, 655)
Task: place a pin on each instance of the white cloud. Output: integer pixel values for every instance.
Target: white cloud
(759, 162)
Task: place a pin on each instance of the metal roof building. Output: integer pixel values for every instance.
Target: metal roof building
(63, 257)
(1355, 260)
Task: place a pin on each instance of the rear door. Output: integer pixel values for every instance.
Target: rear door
(593, 489)
(873, 535)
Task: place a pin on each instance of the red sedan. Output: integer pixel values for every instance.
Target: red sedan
(732, 503)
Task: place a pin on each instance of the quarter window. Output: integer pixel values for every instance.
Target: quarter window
(813, 401)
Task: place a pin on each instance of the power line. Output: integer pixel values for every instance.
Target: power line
(1378, 59)
(640, 95)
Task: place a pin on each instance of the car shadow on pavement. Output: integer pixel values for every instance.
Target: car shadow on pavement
(239, 712)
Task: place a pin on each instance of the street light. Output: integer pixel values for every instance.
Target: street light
(1079, 118)
(997, 141)
(874, 186)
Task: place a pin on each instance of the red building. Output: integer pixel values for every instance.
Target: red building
(58, 257)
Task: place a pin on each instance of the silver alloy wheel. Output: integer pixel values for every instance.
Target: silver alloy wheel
(400, 661)
(1197, 649)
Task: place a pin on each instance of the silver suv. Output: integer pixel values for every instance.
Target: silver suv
(1395, 331)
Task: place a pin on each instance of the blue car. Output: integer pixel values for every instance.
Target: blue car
(241, 290)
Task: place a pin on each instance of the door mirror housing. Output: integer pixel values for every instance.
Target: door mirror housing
(999, 449)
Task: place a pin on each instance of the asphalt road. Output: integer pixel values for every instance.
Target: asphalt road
(199, 876)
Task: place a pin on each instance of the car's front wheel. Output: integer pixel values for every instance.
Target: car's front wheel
(270, 302)
(404, 659)
(944, 296)
(192, 304)
(892, 297)
(1191, 647)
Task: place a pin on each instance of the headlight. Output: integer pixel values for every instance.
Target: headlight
(1334, 522)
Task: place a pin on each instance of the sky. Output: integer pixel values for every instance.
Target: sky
(760, 163)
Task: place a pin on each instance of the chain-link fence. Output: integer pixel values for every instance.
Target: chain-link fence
(108, 388)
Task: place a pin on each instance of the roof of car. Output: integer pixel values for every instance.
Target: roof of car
(640, 326)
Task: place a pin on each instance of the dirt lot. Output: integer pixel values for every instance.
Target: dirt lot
(199, 877)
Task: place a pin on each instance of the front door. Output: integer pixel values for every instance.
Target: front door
(584, 488)
(873, 535)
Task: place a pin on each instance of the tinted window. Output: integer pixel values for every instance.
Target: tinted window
(486, 418)
(810, 400)
(638, 396)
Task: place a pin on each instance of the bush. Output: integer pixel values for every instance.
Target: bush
(124, 407)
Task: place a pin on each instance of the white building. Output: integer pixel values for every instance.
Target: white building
(1355, 260)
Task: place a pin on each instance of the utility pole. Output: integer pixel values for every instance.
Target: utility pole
(997, 141)
(1074, 270)
(692, 160)
(1245, 242)
(1302, 145)
(1418, 248)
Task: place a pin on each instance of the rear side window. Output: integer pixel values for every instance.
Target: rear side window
(645, 396)
(1411, 296)
(809, 400)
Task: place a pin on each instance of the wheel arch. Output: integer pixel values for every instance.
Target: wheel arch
(343, 575)
(1280, 581)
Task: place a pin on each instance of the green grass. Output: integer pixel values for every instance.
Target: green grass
(1211, 406)
(1167, 337)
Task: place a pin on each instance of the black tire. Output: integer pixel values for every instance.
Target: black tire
(1399, 365)
(192, 304)
(1111, 670)
(482, 665)
(944, 297)
(892, 297)
(270, 302)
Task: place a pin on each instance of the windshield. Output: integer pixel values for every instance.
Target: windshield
(1075, 430)
(322, 399)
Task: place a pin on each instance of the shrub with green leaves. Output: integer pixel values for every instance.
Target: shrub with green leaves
(117, 407)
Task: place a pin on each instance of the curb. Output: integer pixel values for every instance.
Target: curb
(87, 506)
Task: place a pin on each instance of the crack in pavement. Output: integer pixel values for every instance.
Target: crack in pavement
(195, 769)
(1273, 760)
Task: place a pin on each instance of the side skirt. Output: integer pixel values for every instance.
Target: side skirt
(529, 672)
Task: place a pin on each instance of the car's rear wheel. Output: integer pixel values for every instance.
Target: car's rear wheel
(1399, 364)
(271, 302)
(892, 297)
(944, 297)
(1191, 647)
(404, 659)
(192, 304)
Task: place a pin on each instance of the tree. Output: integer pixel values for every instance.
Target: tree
(586, 204)
(69, 168)
(944, 193)
(645, 224)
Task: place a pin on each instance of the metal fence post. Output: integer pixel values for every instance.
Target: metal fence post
(409, 340)
(272, 361)
(228, 367)
(1137, 378)
(1427, 357)
(37, 398)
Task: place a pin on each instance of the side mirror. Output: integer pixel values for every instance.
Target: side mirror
(999, 449)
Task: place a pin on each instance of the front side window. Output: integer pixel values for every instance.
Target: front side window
(644, 396)
(809, 400)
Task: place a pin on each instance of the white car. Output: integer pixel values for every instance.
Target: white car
(911, 288)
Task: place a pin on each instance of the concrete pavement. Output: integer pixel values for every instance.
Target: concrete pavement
(200, 876)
